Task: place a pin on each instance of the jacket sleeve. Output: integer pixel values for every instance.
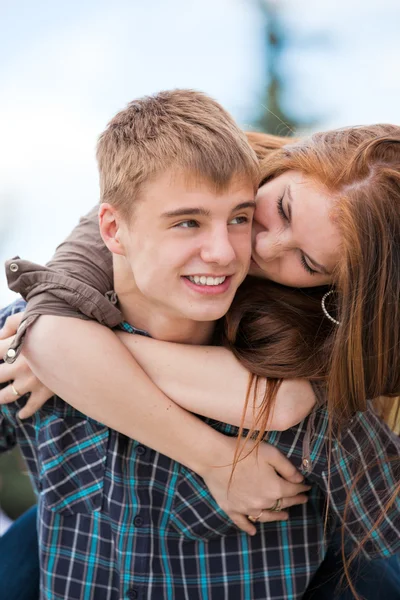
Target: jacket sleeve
(77, 282)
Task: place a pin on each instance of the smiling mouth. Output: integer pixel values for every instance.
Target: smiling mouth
(206, 280)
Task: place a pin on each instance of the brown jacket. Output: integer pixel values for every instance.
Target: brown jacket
(77, 282)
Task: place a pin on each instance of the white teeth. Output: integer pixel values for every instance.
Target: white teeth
(203, 280)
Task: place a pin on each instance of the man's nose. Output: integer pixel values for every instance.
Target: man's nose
(217, 248)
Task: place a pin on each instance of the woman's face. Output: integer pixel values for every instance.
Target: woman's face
(295, 240)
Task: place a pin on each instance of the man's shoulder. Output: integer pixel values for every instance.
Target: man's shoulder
(370, 433)
(16, 307)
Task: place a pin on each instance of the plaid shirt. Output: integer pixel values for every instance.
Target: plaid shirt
(118, 520)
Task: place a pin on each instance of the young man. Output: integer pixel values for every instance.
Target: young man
(177, 184)
(116, 518)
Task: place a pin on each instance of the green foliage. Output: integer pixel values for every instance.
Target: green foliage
(16, 494)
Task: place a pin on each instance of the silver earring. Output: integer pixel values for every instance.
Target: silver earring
(324, 297)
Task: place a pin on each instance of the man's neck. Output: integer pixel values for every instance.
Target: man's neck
(142, 313)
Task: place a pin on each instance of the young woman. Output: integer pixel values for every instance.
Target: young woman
(327, 214)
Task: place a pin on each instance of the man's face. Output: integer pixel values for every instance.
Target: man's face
(189, 248)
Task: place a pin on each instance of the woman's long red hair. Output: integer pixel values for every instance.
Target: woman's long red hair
(278, 332)
(359, 168)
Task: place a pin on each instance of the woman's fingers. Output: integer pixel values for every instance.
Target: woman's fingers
(8, 395)
(35, 402)
(291, 490)
(22, 381)
(282, 514)
(11, 325)
(268, 515)
(281, 464)
(243, 523)
(7, 372)
(293, 501)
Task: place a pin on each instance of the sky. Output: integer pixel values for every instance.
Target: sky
(343, 60)
(67, 68)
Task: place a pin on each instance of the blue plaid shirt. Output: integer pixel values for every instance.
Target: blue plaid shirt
(118, 520)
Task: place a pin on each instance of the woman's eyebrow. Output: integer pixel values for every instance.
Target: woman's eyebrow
(314, 263)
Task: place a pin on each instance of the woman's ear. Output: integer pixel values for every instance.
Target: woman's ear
(110, 228)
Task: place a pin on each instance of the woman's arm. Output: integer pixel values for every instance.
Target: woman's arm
(209, 381)
(85, 364)
(189, 375)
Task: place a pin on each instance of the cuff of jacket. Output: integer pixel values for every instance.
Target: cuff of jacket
(49, 292)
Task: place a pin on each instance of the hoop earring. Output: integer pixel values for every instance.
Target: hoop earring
(324, 297)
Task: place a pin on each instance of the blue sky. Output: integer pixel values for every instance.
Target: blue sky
(68, 67)
(343, 62)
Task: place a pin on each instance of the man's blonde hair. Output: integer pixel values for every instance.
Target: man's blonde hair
(179, 129)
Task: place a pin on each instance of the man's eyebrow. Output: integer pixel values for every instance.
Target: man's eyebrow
(242, 205)
(313, 262)
(186, 212)
(202, 212)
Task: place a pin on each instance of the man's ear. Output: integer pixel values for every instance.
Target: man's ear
(110, 228)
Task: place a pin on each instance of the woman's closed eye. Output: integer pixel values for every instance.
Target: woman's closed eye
(306, 266)
(281, 211)
(285, 217)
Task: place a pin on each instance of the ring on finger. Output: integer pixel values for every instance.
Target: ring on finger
(255, 519)
(277, 507)
(14, 390)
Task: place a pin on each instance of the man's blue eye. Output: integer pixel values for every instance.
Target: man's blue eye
(239, 220)
(187, 224)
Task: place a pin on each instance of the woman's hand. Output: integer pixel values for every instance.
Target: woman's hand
(259, 480)
(23, 381)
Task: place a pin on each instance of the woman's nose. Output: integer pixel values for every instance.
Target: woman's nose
(269, 245)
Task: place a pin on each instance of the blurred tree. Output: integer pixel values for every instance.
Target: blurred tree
(16, 493)
(274, 118)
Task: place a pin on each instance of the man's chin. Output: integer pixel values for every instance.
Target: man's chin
(208, 315)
